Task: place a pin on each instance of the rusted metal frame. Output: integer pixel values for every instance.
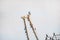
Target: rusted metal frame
(26, 31)
(28, 17)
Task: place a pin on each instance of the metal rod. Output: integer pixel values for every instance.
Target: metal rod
(28, 17)
(25, 27)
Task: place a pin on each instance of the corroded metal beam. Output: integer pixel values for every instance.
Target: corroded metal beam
(28, 17)
(26, 31)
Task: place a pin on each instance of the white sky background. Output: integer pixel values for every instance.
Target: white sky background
(45, 16)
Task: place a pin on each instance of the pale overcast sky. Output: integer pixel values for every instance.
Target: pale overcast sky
(45, 16)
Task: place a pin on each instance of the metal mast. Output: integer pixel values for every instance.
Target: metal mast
(25, 27)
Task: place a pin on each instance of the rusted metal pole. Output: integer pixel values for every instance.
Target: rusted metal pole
(28, 17)
(25, 27)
